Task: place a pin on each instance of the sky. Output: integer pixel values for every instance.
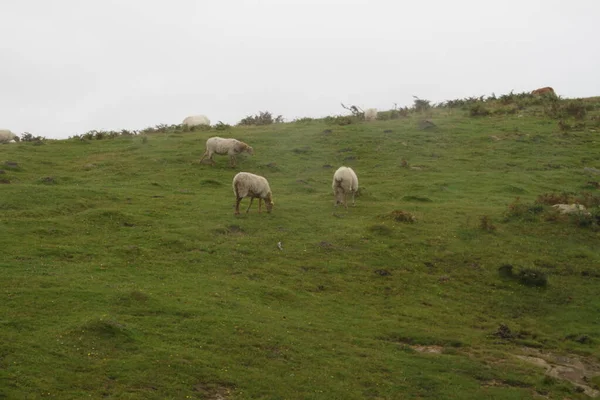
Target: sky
(70, 66)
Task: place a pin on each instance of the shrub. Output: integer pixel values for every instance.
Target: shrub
(526, 276)
(526, 212)
(402, 216)
(28, 137)
(478, 110)
(532, 277)
(262, 118)
(304, 120)
(421, 104)
(485, 223)
(575, 108)
(220, 126)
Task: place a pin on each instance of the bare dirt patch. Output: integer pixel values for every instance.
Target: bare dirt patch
(577, 370)
(433, 349)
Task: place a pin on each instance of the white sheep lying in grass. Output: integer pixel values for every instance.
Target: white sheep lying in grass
(344, 183)
(246, 184)
(370, 114)
(195, 120)
(232, 147)
(572, 209)
(6, 136)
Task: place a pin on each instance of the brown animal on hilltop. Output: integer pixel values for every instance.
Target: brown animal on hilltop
(544, 90)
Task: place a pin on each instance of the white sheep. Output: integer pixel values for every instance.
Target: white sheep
(572, 209)
(6, 136)
(370, 114)
(195, 120)
(344, 183)
(246, 184)
(232, 147)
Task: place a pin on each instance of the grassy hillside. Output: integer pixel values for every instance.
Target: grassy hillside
(126, 275)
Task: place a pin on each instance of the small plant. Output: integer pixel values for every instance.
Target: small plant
(532, 277)
(575, 108)
(485, 224)
(220, 126)
(402, 216)
(262, 118)
(28, 137)
(478, 110)
(527, 212)
(563, 126)
(555, 198)
(421, 104)
(304, 120)
(527, 276)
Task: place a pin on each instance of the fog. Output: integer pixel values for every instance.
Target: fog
(72, 66)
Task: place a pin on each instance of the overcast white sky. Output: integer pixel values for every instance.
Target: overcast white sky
(69, 66)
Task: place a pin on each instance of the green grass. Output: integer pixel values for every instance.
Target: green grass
(126, 275)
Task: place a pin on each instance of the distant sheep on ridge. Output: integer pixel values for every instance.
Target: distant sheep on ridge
(370, 114)
(195, 120)
(246, 184)
(232, 147)
(544, 91)
(6, 136)
(344, 183)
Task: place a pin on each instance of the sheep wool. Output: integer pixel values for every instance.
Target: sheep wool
(6, 136)
(231, 147)
(246, 184)
(370, 114)
(194, 120)
(345, 182)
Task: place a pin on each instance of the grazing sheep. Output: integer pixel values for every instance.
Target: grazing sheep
(6, 136)
(246, 184)
(545, 90)
(344, 182)
(195, 120)
(370, 114)
(571, 209)
(217, 145)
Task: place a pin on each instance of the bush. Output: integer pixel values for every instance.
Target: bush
(485, 223)
(527, 276)
(220, 126)
(532, 277)
(262, 118)
(421, 104)
(478, 110)
(575, 108)
(28, 137)
(571, 109)
(527, 212)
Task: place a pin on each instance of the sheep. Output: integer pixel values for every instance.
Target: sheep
(370, 114)
(572, 209)
(195, 120)
(6, 136)
(246, 184)
(217, 145)
(544, 91)
(344, 182)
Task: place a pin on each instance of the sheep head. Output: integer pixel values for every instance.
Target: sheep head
(269, 202)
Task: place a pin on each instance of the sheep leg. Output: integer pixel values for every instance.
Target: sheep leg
(259, 205)
(232, 161)
(237, 205)
(251, 200)
(203, 156)
(353, 203)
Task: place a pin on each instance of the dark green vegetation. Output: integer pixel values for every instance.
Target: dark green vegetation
(124, 273)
